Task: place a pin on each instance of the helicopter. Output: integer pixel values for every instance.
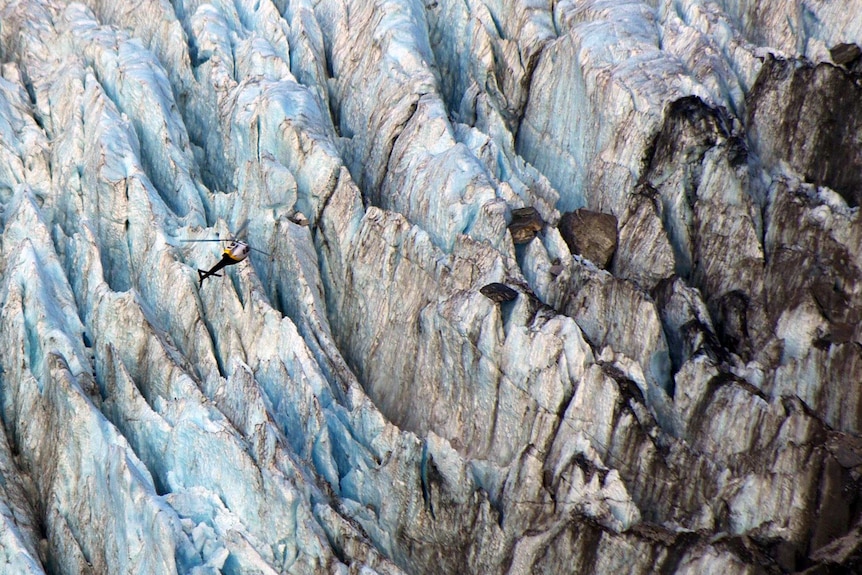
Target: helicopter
(234, 252)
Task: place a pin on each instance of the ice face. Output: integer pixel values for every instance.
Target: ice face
(347, 399)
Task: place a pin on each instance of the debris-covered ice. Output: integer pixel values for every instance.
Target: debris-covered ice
(417, 370)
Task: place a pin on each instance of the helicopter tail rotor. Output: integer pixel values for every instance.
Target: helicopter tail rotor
(203, 274)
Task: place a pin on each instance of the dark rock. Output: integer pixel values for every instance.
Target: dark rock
(810, 117)
(831, 299)
(845, 54)
(836, 539)
(846, 448)
(592, 235)
(526, 224)
(840, 332)
(498, 292)
(731, 319)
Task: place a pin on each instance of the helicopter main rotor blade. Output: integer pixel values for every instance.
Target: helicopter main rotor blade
(261, 251)
(231, 240)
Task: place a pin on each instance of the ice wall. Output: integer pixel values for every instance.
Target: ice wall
(347, 400)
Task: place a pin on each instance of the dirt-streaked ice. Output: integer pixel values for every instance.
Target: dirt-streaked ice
(346, 400)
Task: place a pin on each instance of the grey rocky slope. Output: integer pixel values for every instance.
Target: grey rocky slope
(353, 401)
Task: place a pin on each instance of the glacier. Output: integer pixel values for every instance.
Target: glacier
(347, 400)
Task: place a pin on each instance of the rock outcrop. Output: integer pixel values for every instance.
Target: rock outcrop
(592, 235)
